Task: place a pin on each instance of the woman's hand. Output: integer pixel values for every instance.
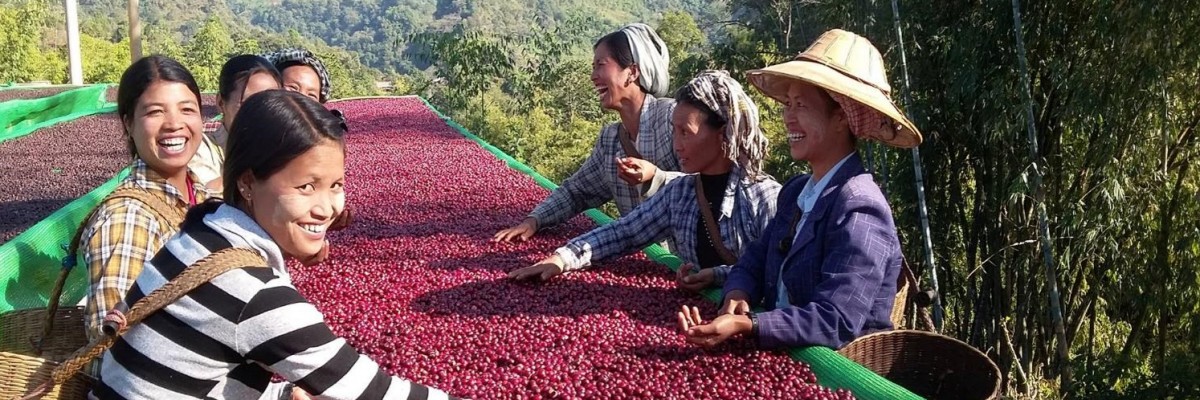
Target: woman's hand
(543, 270)
(736, 303)
(694, 282)
(521, 232)
(635, 171)
(712, 333)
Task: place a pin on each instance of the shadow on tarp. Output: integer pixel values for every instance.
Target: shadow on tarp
(557, 298)
(17, 216)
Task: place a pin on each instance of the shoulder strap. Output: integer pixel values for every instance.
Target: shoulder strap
(714, 230)
(163, 211)
(627, 142)
(192, 277)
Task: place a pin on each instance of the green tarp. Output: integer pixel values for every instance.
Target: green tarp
(23, 116)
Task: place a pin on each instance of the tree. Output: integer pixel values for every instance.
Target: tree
(207, 52)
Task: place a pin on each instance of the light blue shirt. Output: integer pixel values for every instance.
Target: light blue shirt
(806, 201)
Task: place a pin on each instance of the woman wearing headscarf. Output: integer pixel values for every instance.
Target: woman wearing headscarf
(631, 159)
(302, 72)
(714, 213)
(825, 270)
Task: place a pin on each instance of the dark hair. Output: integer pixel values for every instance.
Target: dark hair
(618, 43)
(138, 77)
(272, 129)
(239, 69)
(687, 96)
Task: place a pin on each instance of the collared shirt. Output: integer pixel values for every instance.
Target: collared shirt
(597, 180)
(806, 200)
(745, 211)
(121, 235)
(206, 164)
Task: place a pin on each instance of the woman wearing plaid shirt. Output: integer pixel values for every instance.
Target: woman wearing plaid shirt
(159, 105)
(631, 159)
(719, 142)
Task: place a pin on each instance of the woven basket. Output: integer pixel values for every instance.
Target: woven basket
(928, 364)
(905, 282)
(20, 329)
(22, 373)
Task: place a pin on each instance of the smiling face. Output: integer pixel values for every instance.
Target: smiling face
(166, 126)
(816, 125)
(302, 79)
(697, 143)
(613, 83)
(297, 204)
(256, 83)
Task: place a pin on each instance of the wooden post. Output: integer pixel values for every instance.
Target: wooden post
(74, 60)
(135, 32)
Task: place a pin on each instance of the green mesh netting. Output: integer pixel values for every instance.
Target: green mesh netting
(23, 116)
(30, 262)
(832, 369)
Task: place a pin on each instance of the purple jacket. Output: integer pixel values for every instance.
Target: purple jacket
(841, 271)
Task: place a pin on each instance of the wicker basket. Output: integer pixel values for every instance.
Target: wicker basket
(21, 329)
(22, 373)
(928, 364)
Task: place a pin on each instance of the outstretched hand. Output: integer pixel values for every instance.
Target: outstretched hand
(543, 270)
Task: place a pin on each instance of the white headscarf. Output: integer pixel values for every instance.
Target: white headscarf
(651, 55)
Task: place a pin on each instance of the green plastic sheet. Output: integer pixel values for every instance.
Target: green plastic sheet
(24, 116)
(832, 369)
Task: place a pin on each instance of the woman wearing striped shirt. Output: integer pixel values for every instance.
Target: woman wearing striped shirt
(718, 140)
(283, 182)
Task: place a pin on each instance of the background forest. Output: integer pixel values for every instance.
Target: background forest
(1063, 205)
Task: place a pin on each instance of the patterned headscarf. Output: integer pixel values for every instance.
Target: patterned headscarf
(745, 142)
(305, 57)
(651, 55)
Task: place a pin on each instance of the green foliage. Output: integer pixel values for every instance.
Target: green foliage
(103, 61)
(207, 52)
(21, 58)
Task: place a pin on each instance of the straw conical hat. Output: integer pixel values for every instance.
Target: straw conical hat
(847, 64)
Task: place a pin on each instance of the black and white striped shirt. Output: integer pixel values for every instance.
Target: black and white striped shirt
(226, 338)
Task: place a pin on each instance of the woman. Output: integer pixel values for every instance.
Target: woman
(302, 72)
(826, 268)
(159, 106)
(630, 158)
(283, 180)
(712, 215)
(241, 77)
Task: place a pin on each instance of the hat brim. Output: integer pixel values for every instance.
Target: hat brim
(774, 81)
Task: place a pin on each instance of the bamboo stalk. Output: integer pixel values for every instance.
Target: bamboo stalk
(1051, 271)
(918, 174)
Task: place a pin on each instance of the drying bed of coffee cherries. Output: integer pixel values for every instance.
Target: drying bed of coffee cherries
(416, 284)
(52, 166)
(14, 94)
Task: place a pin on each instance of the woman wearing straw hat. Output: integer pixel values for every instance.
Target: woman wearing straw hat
(632, 158)
(713, 215)
(825, 271)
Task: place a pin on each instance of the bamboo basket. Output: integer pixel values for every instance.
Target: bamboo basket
(20, 373)
(928, 364)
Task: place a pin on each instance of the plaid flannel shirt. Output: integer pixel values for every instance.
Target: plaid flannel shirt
(206, 164)
(597, 181)
(123, 235)
(674, 213)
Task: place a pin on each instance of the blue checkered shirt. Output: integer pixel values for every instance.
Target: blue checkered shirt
(674, 214)
(597, 182)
